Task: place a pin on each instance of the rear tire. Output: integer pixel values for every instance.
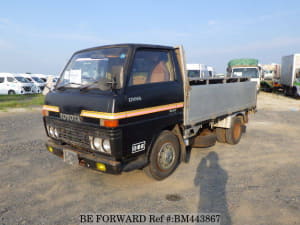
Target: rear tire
(234, 133)
(164, 156)
(221, 135)
(11, 92)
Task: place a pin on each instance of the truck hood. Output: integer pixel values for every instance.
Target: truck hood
(74, 101)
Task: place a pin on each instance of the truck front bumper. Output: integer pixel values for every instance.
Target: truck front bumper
(86, 159)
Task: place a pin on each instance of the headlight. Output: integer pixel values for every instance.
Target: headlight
(97, 143)
(51, 131)
(100, 145)
(56, 132)
(106, 146)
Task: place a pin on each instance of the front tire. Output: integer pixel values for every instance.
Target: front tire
(11, 92)
(164, 156)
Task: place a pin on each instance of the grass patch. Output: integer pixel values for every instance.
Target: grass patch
(21, 101)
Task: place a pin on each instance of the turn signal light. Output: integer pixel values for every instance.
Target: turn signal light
(111, 123)
(45, 112)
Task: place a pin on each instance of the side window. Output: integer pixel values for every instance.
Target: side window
(151, 66)
(1, 79)
(10, 79)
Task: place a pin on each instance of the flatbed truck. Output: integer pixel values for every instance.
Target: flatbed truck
(123, 107)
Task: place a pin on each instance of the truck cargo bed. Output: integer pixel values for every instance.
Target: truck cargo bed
(213, 98)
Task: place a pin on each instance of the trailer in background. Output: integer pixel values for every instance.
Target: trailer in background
(290, 75)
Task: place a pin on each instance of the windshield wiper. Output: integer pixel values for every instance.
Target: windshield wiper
(64, 86)
(88, 85)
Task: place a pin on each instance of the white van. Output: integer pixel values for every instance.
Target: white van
(37, 82)
(14, 84)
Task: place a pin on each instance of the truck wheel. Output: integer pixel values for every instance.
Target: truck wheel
(11, 92)
(221, 134)
(234, 133)
(164, 156)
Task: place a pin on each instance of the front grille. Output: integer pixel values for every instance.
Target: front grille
(75, 134)
(27, 88)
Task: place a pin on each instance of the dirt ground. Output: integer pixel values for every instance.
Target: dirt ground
(254, 182)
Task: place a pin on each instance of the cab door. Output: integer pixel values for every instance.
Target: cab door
(154, 90)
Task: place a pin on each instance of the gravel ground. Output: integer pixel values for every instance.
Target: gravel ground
(254, 182)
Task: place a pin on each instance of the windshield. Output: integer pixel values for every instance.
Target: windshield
(245, 72)
(22, 80)
(194, 73)
(87, 68)
(37, 79)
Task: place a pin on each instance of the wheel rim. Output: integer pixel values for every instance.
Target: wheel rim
(166, 156)
(236, 131)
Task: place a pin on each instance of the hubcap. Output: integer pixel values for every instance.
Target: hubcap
(166, 156)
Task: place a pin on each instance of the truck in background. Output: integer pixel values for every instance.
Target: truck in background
(270, 77)
(290, 75)
(134, 107)
(197, 71)
(211, 71)
(245, 68)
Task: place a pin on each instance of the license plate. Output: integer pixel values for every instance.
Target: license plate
(70, 157)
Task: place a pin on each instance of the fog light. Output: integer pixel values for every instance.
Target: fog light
(50, 149)
(101, 166)
(106, 146)
(97, 143)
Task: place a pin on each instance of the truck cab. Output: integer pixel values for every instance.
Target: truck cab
(245, 68)
(114, 101)
(197, 71)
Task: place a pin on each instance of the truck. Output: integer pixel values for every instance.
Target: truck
(270, 77)
(11, 84)
(290, 75)
(245, 67)
(197, 71)
(123, 107)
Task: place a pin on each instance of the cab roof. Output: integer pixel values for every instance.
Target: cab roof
(130, 45)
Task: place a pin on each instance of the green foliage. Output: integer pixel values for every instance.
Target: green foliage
(18, 101)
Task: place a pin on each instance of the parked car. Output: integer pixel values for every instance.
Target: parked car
(36, 81)
(14, 84)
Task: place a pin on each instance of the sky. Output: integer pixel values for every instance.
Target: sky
(40, 36)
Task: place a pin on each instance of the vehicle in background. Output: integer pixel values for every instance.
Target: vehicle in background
(220, 75)
(43, 77)
(111, 117)
(290, 75)
(271, 71)
(38, 83)
(270, 77)
(211, 71)
(50, 83)
(197, 71)
(245, 68)
(14, 84)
